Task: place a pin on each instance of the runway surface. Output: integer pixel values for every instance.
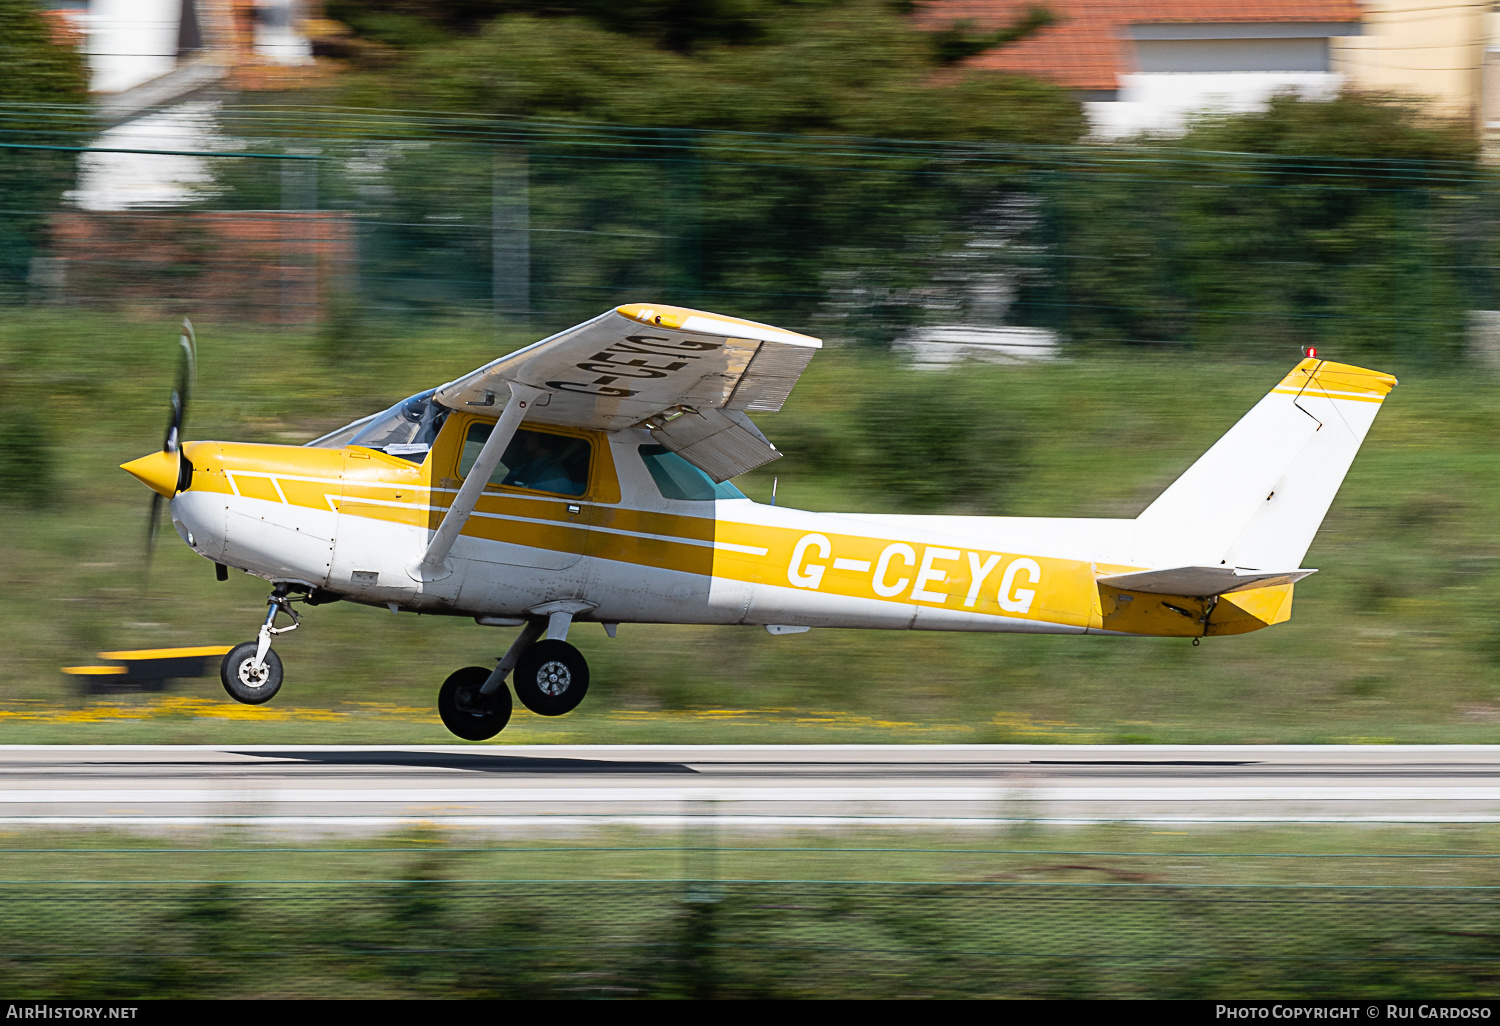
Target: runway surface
(329, 789)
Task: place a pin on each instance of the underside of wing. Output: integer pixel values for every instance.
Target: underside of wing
(686, 375)
(1201, 581)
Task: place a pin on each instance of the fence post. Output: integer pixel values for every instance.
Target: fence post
(510, 231)
(687, 197)
(700, 898)
(700, 851)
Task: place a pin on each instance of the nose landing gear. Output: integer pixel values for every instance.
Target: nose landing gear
(252, 672)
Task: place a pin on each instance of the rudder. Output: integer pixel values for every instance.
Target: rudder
(1256, 499)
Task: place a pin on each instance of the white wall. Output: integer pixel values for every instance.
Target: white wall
(130, 42)
(122, 181)
(276, 35)
(1163, 103)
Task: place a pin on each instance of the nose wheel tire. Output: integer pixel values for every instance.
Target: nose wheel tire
(551, 678)
(247, 682)
(467, 712)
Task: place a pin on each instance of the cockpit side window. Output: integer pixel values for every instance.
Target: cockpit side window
(534, 459)
(407, 429)
(676, 478)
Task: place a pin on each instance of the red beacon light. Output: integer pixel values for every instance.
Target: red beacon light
(1311, 352)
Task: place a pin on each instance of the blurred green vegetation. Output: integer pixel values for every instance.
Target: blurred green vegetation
(783, 172)
(1360, 223)
(1099, 912)
(1392, 641)
(1356, 223)
(37, 70)
(32, 182)
(847, 67)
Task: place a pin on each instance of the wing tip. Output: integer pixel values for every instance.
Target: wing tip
(681, 318)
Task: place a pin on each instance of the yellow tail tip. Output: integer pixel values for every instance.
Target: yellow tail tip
(1340, 380)
(158, 472)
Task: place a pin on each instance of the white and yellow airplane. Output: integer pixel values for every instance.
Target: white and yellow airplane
(585, 478)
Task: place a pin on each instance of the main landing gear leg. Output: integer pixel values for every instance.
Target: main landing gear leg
(252, 672)
(507, 662)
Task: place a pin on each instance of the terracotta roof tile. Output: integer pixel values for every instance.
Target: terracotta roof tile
(1088, 45)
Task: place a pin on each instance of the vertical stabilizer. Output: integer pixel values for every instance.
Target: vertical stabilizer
(1256, 499)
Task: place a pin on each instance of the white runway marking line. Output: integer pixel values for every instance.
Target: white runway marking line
(574, 819)
(370, 789)
(728, 792)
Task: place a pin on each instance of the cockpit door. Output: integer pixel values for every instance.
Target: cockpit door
(537, 508)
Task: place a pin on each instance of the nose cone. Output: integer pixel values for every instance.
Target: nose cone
(157, 472)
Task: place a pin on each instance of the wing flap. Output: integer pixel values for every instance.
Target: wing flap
(1201, 581)
(721, 444)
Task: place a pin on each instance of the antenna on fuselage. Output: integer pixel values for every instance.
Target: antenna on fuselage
(774, 482)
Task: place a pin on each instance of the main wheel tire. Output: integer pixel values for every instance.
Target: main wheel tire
(467, 712)
(246, 682)
(551, 678)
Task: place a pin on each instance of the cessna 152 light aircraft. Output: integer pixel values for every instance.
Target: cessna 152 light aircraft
(585, 478)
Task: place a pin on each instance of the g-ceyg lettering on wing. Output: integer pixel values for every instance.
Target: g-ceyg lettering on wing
(606, 368)
(608, 357)
(575, 386)
(666, 343)
(627, 347)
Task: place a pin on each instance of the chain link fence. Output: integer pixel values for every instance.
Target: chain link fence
(428, 932)
(349, 219)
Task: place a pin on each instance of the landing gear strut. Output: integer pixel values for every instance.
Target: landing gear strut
(551, 678)
(252, 672)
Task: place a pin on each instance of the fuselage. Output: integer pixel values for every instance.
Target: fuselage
(354, 521)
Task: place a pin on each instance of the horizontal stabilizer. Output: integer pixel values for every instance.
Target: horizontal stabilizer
(1201, 581)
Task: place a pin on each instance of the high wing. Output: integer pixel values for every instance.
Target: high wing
(686, 375)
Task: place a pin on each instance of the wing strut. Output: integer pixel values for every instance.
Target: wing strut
(433, 565)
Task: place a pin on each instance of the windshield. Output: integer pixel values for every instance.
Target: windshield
(407, 429)
(340, 438)
(676, 478)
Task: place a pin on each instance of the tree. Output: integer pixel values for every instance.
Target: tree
(33, 71)
(37, 70)
(1352, 224)
(856, 67)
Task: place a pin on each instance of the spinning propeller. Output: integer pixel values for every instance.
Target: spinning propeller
(168, 472)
